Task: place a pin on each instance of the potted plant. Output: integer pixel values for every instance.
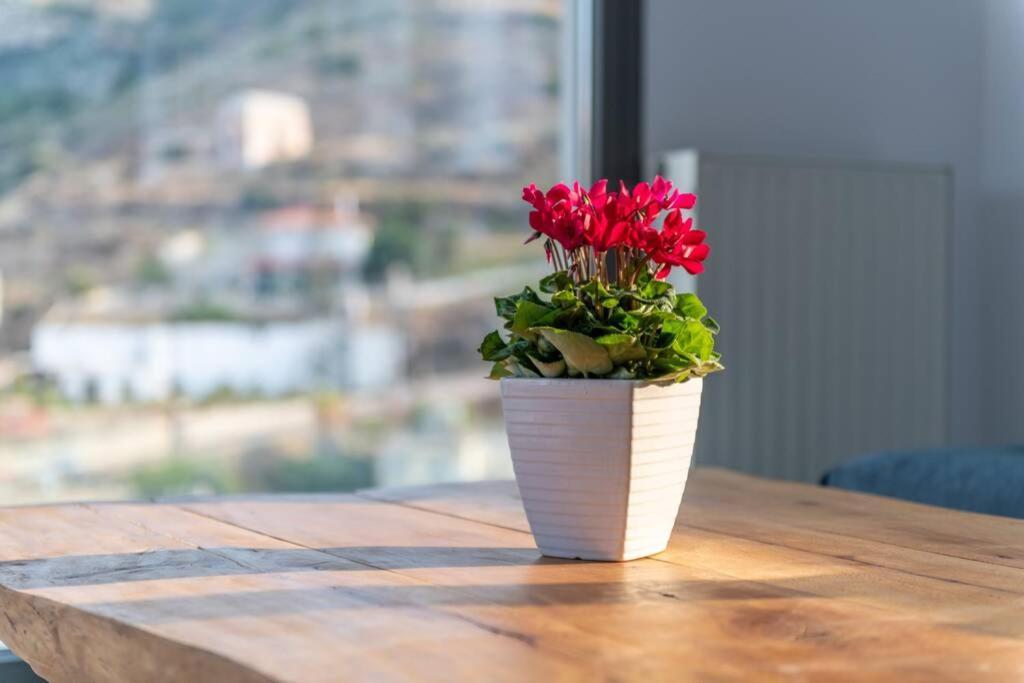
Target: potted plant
(601, 368)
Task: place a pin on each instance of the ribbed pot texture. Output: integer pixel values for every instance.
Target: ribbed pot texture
(601, 464)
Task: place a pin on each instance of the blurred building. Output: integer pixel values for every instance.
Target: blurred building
(257, 128)
(300, 248)
(295, 258)
(114, 349)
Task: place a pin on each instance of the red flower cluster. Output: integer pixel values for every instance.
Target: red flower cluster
(624, 221)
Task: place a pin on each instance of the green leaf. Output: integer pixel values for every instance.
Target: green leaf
(707, 368)
(682, 375)
(498, 370)
(664, 303)
(529, 295)
(549, 369)
(689, 306)
(662, 341)
(520, 370)
(565, 298)
(580, 351)
(712, 325)
(493, 347)
(672, 369)
(577, 318)
(655, 289)
(555, 282)
(527, 315)
(623, 320)
(596, 290)
(671, 363)
(691, 337)
(610, 302)
(505, 306)
(614, 338)
(622, 347)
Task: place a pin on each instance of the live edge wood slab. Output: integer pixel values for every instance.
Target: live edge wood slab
(762, 581)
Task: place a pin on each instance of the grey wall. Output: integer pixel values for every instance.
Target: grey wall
(1001, 233)
(886, 80)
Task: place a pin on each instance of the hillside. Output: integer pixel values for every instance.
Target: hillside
(434, 109)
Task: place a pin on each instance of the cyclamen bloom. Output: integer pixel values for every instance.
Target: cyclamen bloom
(599, 221)
(678, 245)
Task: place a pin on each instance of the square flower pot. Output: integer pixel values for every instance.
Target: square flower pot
(601, 464)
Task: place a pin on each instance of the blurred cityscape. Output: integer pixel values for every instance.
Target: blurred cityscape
(252, 244)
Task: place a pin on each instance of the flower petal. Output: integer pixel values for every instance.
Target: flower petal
(685, 200)
(693, 267)
(693, 237)
(698, 252)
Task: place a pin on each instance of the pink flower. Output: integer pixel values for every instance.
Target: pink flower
(579, 217)
(569, 215)
(553, 215)
(679, 245)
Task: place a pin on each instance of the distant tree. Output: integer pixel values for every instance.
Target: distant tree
(79, 280)
(266, 470)
(152, 272)
(338, 65)
(181, 475)
(395, 241)
(403, 238)
(259, 198)
(204, 311)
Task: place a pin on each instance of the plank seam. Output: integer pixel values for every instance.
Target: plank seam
(846, 558)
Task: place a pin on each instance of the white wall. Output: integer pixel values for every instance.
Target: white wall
(891, 80)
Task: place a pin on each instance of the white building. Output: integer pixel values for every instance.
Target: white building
(256, 128)
(285, 252)
(95, 354)
(298, 238)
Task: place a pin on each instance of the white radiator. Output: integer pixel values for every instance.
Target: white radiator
(831, 283)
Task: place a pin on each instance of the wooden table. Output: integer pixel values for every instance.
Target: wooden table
(763, 581)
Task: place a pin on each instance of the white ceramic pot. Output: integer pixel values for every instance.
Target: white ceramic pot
(601, 464)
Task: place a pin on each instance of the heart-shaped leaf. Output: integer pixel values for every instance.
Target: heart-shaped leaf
(564, 299)
(689, 306)
(555, 282)
(498, 370)
(493, 347)
(527, 315)
(622, 347)
(580, 351)
(549, 369)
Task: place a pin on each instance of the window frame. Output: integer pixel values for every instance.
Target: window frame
(617, 90)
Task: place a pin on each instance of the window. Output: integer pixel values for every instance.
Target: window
(251, 244)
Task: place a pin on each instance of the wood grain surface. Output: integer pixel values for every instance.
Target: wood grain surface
(762, 581)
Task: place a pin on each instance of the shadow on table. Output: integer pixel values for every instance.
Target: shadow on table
(260, 582)
(415, 596)
(84, 570)
(252, 582)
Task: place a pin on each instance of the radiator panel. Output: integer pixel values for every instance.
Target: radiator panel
(830, 281)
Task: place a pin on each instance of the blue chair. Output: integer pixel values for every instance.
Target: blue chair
(14, 670)
(989, 480)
